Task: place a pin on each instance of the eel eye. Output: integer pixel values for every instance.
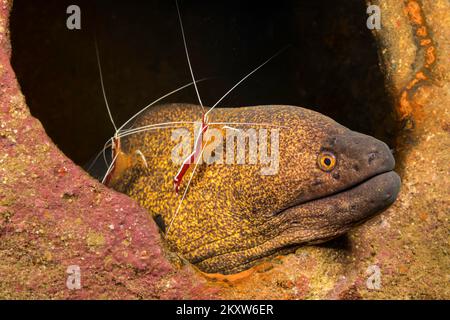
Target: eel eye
(326, 161)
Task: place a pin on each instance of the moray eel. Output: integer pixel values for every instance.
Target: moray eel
(329, 179)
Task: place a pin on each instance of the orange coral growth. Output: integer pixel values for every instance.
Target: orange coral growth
(430, 56)
(422, 31)
(405, 108)
(414, 12)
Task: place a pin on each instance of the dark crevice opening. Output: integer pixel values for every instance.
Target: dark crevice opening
(331, 67)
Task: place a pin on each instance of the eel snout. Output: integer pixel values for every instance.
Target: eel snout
(359, 157)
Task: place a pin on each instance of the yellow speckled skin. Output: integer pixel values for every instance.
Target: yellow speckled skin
(232, 215)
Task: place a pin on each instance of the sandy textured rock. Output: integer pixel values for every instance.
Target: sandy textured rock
(53, 215)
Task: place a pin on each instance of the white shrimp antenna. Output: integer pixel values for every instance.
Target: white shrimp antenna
(158, 100)
(187, 56)
(244, 78)
(103, 85)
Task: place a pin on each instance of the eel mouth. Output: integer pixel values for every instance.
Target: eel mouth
(391, 189)
(346, 208)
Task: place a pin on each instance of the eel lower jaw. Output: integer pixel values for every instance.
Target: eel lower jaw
(335, 214)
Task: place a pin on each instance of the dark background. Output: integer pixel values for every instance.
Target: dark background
(331, 67)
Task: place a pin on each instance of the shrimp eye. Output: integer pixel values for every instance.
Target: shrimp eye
(326, 161)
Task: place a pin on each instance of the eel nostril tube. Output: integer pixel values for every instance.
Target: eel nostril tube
(372, 156)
